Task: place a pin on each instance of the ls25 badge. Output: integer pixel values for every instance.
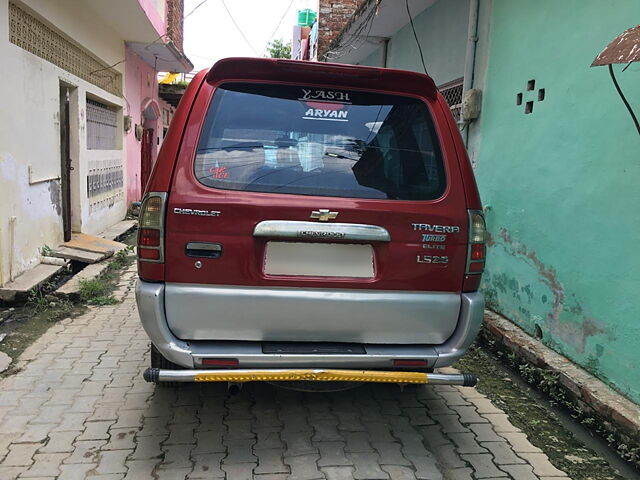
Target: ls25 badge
(431, 259)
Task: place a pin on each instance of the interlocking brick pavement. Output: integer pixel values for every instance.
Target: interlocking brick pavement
(78, 408)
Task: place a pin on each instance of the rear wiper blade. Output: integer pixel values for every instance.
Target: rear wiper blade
(339, 155)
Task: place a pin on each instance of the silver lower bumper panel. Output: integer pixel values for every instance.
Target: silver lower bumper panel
(189, 354)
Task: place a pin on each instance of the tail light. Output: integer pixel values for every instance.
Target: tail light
(151, 228)
(476, 251)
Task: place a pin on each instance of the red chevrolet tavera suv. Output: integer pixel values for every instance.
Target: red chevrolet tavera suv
(310, 222)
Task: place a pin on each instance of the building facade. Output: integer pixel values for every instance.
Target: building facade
(556, 159)
(76, 74)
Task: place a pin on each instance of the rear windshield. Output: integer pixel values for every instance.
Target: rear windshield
(312, 141)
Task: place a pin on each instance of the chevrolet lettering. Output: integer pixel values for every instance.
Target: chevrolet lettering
(325, 266)
(199, 213)
(314, 234)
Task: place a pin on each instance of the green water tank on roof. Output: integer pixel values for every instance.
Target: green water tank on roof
(306, 17)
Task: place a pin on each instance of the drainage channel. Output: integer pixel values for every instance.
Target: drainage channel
(579, 431)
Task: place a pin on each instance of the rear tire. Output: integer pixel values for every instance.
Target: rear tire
(158, 361)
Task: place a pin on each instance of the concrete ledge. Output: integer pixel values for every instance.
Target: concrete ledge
(590, 393)
(23, 284)
(71, 288)
(119, 230)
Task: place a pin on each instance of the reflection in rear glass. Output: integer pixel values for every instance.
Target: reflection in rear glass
(287, 139)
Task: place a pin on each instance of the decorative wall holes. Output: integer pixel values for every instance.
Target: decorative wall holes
(528, 104)
(541, 94)
(528, 107)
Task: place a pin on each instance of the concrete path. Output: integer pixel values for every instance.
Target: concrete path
(79, 408)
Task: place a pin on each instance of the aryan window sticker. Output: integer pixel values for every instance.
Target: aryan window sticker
(327, 105)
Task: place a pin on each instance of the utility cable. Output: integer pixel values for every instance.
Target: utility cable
(194, 9)
(239, 29)
(353, 41)
(416, 37)
(280, 22)
(624, 99)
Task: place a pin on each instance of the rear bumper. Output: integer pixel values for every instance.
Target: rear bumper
(189, 354)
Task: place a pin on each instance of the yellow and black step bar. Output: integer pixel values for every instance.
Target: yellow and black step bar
(157, 375)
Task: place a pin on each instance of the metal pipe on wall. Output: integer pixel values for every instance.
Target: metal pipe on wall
(470, 55)
(12, 244)
(385, 52)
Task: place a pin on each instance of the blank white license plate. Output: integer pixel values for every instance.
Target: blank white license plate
(319, 259)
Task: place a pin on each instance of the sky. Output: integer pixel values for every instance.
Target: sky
(210, 34)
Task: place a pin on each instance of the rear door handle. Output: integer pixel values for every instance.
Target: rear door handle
(321, 231)
(203, 250)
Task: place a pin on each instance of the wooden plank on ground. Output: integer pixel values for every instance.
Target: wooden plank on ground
(28, 280)
(91, 243)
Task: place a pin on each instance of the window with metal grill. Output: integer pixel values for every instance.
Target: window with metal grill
(102, 126)
(452, 93)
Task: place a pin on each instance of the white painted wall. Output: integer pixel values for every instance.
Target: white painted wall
(30, 136)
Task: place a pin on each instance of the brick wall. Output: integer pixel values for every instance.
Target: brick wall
(332, 18)
(175, 12)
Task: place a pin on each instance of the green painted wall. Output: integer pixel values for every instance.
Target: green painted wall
(560, 185)
(444, 23)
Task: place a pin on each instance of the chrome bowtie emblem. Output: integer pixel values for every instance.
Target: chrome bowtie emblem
(323, 214)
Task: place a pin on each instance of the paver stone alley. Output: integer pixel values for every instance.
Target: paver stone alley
(79, 408)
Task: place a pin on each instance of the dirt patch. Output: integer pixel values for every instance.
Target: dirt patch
(537, 420)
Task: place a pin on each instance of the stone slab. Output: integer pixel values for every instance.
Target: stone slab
(119, 230)
(5, 361)
(72, 287)
(28, 280)
(80, 255)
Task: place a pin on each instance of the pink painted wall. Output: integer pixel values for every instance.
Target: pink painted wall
(157, 20)
(141, 84)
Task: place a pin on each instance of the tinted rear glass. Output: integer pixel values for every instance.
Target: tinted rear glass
(310, 141)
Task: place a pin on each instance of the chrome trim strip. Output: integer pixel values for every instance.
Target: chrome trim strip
(325, 231)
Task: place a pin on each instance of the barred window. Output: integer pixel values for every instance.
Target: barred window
(452, 93)
(102, 126)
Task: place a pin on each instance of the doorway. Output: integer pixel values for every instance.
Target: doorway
(146, 157)
(65, 160)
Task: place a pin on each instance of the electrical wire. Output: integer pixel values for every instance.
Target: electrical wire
(239, 29)
(280, 23)
(624, 99)
(416, 37)
(194, 9)
(355, 40)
